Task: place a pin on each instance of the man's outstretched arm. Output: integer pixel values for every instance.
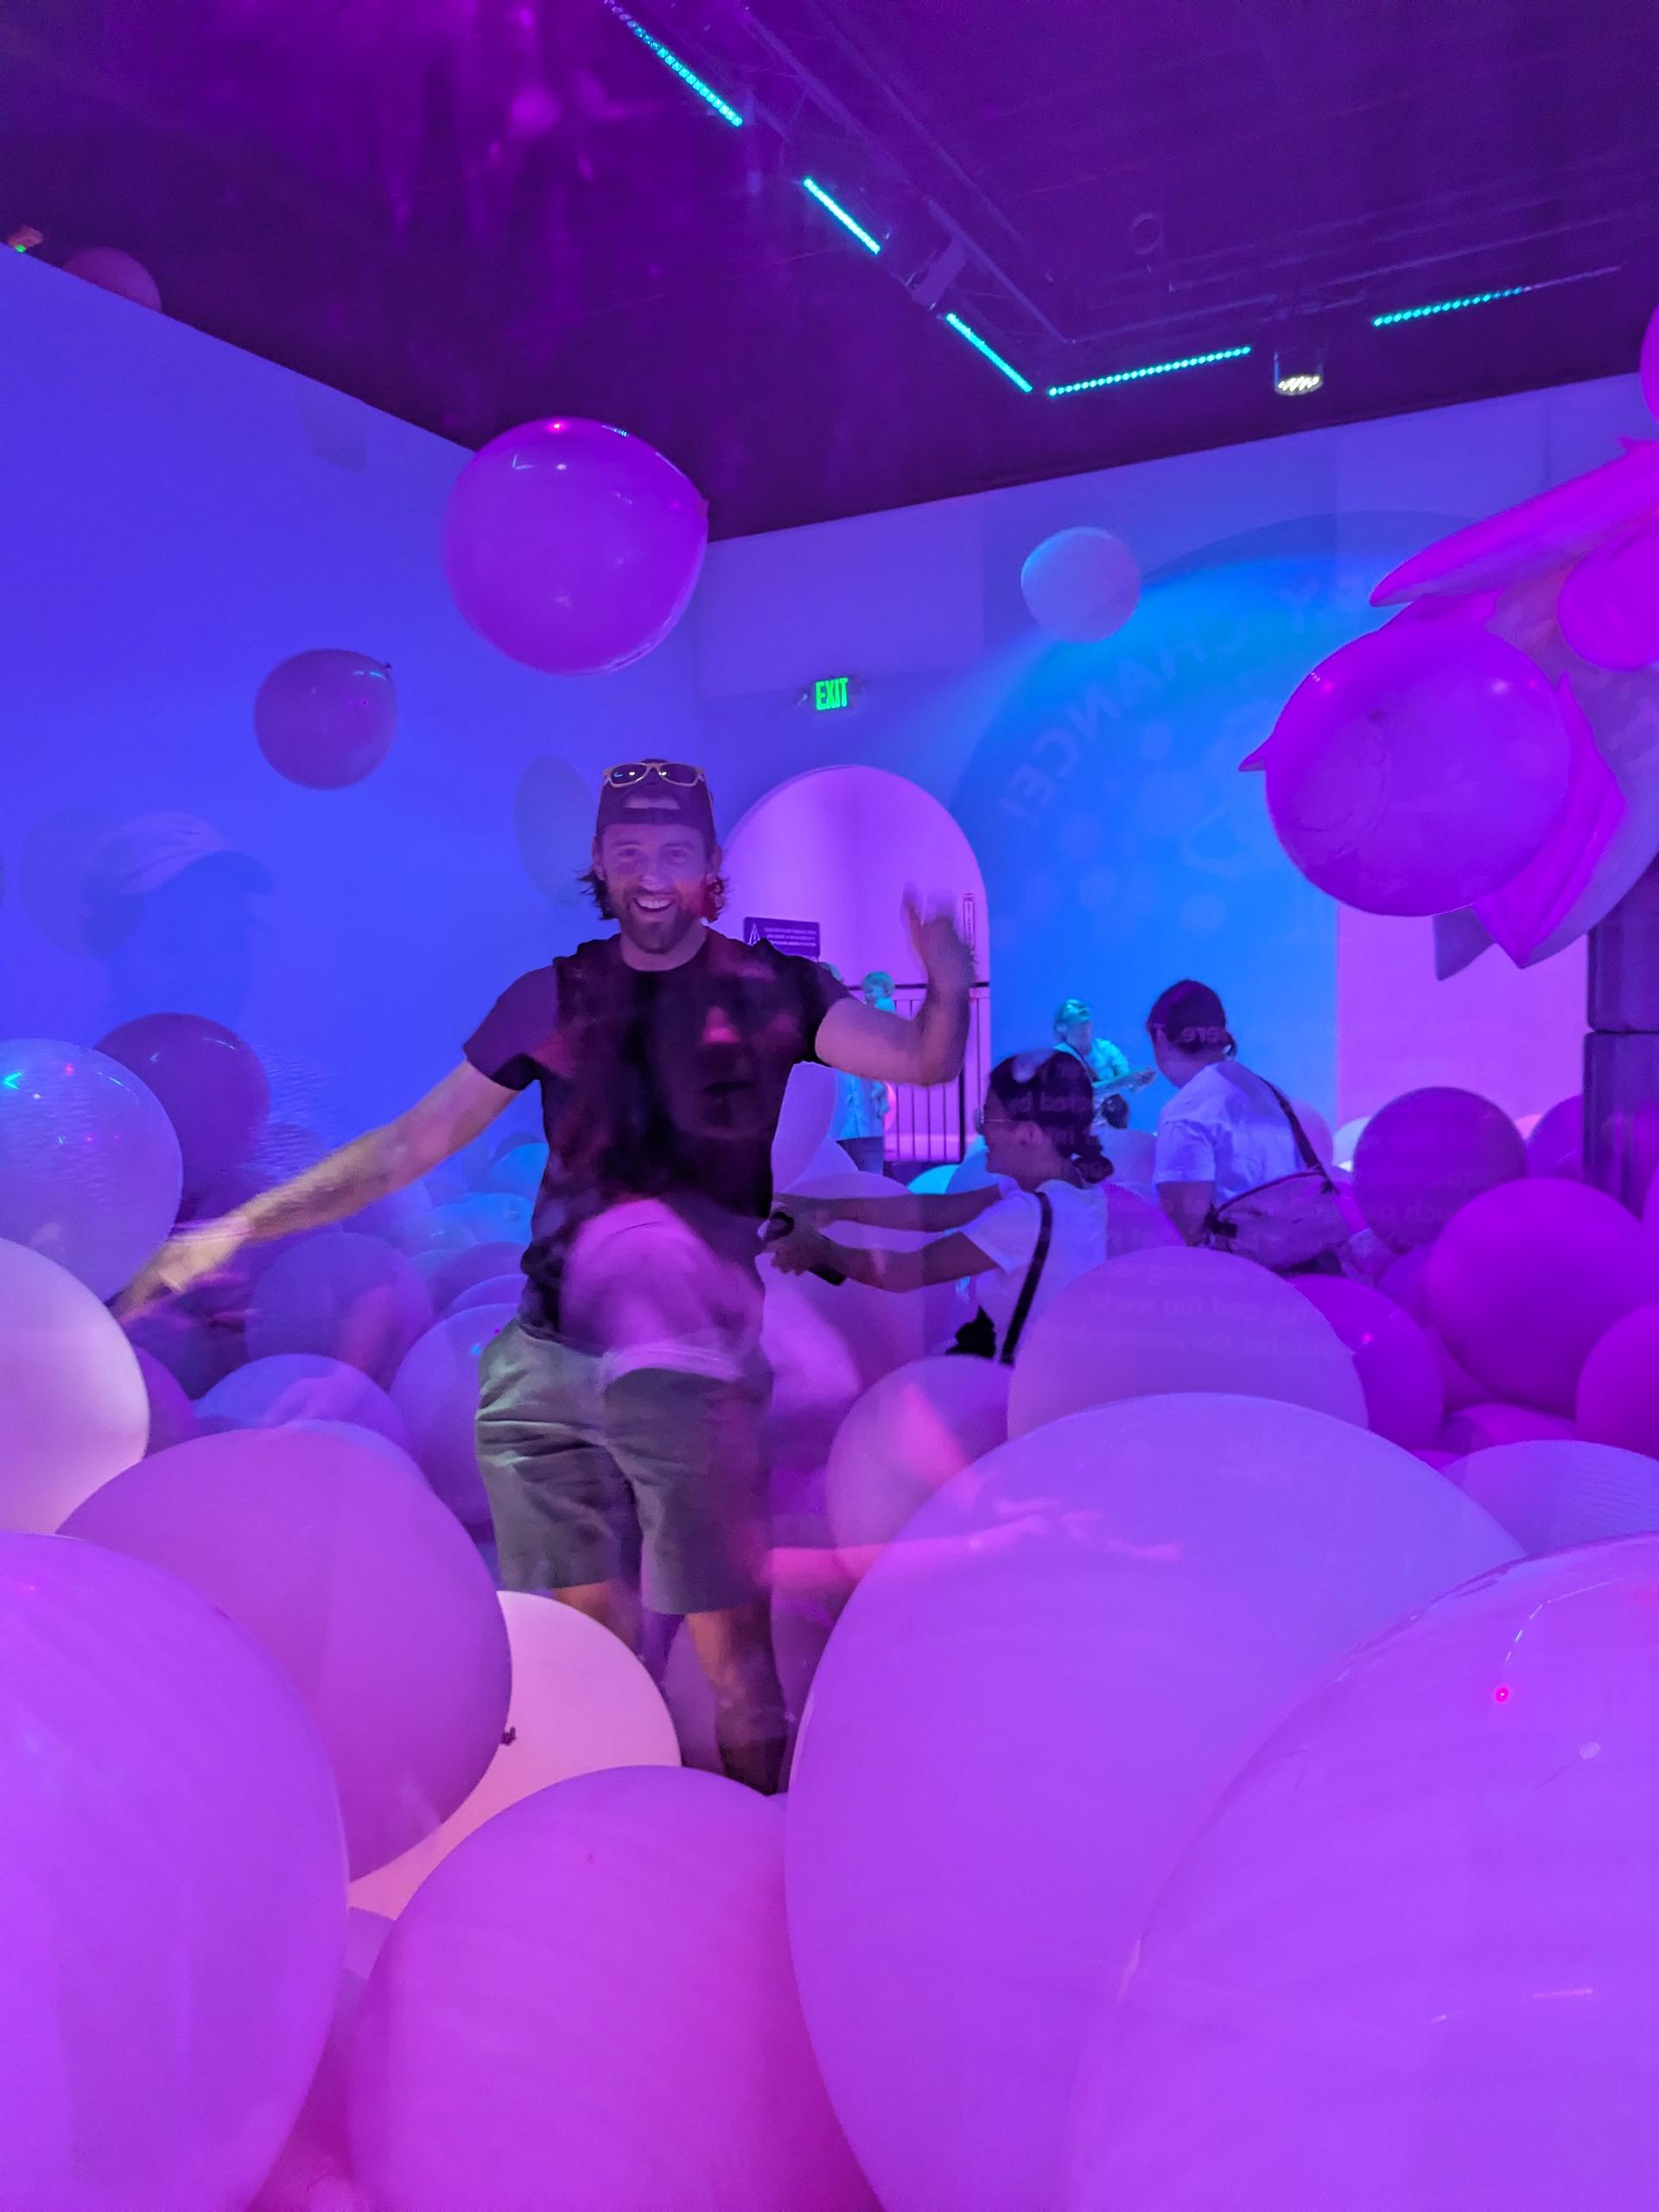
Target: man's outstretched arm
(862, 1040)
(385, 1159)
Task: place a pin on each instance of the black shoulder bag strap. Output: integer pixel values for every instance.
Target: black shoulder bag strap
(1034, 1276)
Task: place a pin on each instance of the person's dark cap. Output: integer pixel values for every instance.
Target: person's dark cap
(655, 791)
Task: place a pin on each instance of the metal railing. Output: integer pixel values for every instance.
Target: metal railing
(929, 1128)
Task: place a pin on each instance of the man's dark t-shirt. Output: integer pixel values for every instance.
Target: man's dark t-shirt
(656, 1082)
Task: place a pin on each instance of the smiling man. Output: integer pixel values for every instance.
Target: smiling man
(620, 1417)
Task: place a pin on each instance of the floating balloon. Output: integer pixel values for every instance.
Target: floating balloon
(1529, 1276)
(580, 1701)
(1393, 1358)
(882, 1328)
(519, 1171)
(1529, 541)
(494, 1290)
(1179, 1321)
(1134, 1223)
(448, 1274)
(325, 718)
(1418, 768)
(174, 1890)
(401, 1218)
(1082, 585)
(89, 1173)
(1131, 1153)
(436, 1394)
(197, 1352)
(1619, 1387)
(112, 270)
(210, 1083)
(1405, 1964)
(1037, 1691)
(815, 1379)
(905, 1439)
(1552, 1493)
(573, 547)
(593, 1997)
(482, 1217)
(74, 1409)
(360, 1583)
(290, 1385)
(172, 1417)
(1426, 1154)
(312, 2173)
(347, 1296)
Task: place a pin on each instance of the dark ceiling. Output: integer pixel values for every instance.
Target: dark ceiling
(472, 212)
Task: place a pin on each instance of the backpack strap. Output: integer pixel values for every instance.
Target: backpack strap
(1034, 1276)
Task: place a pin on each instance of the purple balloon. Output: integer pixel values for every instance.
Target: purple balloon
(349, 1297)
(196, 1351)
(325, 719)
(448, 1273)
(112, 270)
(1419, 768)
(434, 1393)
(172, 1417)
(359, 1583)
(573, 547)
(1426, 1154)
(1608, 605)
(294, 1385)
(210, 1082)
(494, 1290)
(1556, 1143)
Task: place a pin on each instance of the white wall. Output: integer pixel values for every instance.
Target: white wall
(174, 517)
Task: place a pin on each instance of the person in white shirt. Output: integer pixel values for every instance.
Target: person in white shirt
(1037, 1125)
(1224, 1132)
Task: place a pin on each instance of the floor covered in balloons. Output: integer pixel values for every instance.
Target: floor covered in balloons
(829, 1232)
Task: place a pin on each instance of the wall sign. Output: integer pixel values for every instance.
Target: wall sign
(799, 937)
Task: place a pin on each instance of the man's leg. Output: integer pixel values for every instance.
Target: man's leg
(564, 1523)
(734, 1648)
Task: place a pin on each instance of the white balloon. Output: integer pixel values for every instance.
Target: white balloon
(1411, 1964)
(1081, 584)
(882, 1328)
(815, 1377)
(581, 1700)
(1552, 1493)
(73, 1409)
(907, 1438)
(804, 1125)
(1186, 1319)
(1030, 1702)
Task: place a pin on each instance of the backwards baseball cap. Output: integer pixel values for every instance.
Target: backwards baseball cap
(655, 791)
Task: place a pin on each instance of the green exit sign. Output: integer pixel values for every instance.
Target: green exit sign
(831, 692)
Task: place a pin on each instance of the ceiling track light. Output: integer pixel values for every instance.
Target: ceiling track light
(1298, 370)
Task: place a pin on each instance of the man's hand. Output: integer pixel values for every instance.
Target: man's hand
(798, 1251)
(946, 961)
(186, 1258)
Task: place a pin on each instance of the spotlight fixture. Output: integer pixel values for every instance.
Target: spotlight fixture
(1298, 370)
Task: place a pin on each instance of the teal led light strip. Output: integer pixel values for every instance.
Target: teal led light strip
(1484, 299)
(1152, 369)
(834, 208)
(990, 352)
(687, 76)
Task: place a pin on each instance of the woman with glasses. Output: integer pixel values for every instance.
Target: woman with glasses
(1019, 1247)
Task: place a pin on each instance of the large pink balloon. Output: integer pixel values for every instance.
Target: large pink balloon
(1531, 1274)
(1552, 1493)
(74, 1409)
(174, 1890)
(172, 1417)
(1486, 1427)
(355, 1578)
(580, 1701)
(1618, 1388)
(326, 718)
(1556, 1143)
(351, 1297)
(1418, 768)
(1034, 1694)
(591, 2003)
(573, 547)
(313, 2172)
(1410, 1963)
(1394, 1358)
(1158, 1320)
(114, 270)
(210, 1083)
(1609, 605)
(1427, 1154)
(90, 1173)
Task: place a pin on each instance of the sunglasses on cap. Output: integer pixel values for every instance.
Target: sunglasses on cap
(630, 773)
